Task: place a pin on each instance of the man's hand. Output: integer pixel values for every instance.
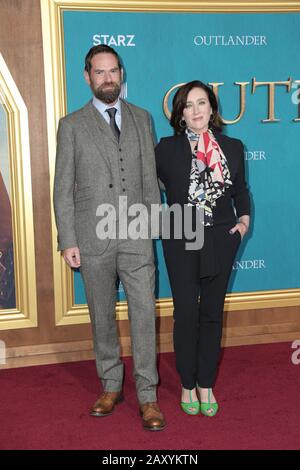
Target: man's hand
(72, 257)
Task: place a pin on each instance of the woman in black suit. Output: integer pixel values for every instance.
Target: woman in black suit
(204, 170)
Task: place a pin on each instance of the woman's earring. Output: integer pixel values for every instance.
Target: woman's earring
(211, 120)
(182, 124)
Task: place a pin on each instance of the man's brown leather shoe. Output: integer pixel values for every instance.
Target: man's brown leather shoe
(153, 419)
(105, 405)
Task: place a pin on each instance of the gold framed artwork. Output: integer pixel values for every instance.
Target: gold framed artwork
(18, 307)
(62, 95)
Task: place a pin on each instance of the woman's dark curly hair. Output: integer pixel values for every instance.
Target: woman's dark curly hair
(179, 103)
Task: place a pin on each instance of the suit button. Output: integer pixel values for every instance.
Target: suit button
(124, 190)
(111, 185)
(122, 169)
(120, 150)
(123, 179)
(121, 159)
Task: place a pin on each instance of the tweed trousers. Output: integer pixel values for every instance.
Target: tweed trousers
(134, 265)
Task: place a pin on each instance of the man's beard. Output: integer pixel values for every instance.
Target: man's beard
(107, 96)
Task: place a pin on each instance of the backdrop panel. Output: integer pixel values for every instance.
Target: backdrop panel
(161, 50)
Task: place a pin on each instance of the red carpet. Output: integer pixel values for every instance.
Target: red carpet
(46, 407)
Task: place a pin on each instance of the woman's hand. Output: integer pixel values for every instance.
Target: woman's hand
(242, 226)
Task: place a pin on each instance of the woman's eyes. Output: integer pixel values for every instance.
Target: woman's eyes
(190, 105)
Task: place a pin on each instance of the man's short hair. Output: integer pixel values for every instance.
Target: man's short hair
(100, 49)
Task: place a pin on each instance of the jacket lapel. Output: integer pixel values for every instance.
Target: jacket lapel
(96, 125)
(185, 156)
(125, 120)
(221, 141)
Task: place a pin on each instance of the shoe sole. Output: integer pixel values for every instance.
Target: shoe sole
(155, 429)
(100, 415)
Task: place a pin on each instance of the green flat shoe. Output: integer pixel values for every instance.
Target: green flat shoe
(192, 407)
(209, 409)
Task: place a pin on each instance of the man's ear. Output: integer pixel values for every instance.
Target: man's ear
(87, 77)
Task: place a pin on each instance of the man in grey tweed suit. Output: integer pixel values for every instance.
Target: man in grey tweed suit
(104, 151)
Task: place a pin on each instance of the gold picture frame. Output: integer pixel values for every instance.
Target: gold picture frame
(24, 314)
(66, 312)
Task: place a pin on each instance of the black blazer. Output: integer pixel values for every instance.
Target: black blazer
(173, 161)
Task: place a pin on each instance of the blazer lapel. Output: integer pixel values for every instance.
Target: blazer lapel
(221, 141)
(96, 125)
(125, 120)
(185, 156)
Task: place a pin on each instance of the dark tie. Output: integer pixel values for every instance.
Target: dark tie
(112, 115)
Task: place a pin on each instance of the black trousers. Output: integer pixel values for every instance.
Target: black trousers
(198, 326)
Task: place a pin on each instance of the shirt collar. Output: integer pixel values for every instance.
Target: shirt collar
(102, 107)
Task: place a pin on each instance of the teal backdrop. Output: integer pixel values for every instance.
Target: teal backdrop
(160, 50)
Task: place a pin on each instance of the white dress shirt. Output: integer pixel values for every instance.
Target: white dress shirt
(102, 107)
